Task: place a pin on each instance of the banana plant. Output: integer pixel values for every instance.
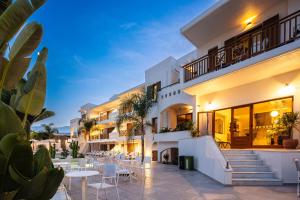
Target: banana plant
(23, 174)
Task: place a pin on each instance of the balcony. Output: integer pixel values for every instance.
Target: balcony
(258, 40)
(125, 133)
(173, 136)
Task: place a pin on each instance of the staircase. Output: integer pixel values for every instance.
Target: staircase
(248, 169)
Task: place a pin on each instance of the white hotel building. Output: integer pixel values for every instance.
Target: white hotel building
(244, 73)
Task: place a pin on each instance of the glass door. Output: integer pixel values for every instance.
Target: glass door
(240, 127)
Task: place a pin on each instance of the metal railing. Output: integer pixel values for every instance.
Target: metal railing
(262, 39)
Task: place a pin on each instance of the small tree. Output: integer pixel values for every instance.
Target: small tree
(139, 105)
(49, 130)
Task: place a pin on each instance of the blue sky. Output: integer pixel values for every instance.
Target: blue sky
(101, 48)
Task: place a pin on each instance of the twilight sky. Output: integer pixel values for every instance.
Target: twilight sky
(99, 48)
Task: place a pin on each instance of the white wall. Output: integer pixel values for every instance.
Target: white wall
(208, 159)
(263, 90)
(281, 163)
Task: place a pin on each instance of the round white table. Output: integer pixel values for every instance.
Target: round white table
(83, 175)
(60, 163)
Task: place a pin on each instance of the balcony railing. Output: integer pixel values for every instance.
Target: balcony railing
(261, 39)
(126, 133)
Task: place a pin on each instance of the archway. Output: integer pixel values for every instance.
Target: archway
(169, 156)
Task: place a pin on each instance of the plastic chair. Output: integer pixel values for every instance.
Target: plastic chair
(109, 173)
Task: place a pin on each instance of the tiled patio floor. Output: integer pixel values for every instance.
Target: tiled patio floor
(166, 182)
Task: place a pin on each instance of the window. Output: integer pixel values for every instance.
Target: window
(184, 118)
(265, 116)
(154, 125)
(205, 123)
(152, 91)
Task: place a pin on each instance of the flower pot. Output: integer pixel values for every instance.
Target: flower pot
(290, 143)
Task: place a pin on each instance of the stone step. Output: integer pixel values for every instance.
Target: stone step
(245, 162)
(250, 168)
(235, 151)
(253, 175)
(241, 157)
(256, 181)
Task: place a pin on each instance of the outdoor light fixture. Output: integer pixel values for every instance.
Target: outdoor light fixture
(249, 21)
(287, 89)
(210, 106)
(274, 113)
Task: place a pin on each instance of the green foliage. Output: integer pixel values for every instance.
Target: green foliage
(140, 105)
(165, 130)
(23, 175)
(187, 125)
(75, 148)
(64, 153)
(52, 150)
(287, 122)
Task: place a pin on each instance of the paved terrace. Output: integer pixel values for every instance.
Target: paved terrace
(166, 182)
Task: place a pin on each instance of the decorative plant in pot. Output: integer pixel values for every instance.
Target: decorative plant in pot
(166, 158)
(288, 122)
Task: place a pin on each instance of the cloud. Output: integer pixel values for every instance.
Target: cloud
(128, 25)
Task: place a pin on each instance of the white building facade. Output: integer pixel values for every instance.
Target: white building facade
(242, 77)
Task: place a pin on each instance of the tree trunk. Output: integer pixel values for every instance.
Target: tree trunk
(143, 142)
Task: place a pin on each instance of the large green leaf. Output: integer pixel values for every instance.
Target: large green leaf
(9, 121)
(9, 142)
(42, 159)
(32, 103)
(54, 178)
(34, 188)
(44, 115)
(4, 4)
(15, 16)
(27, 41)
(14, 71)
(22, 159)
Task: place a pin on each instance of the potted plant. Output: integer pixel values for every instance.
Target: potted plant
(288, 122)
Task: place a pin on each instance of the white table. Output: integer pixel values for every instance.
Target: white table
(83, 175)
(60, 163)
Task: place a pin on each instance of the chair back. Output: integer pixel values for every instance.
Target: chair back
(296, 161)
(82, 162)
(109, 170)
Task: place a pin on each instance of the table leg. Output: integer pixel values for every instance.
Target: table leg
(84, 188)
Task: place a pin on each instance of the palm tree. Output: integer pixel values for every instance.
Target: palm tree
(49, 130)
(134, 109)
(88, 125)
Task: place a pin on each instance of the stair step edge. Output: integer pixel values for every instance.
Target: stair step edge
(256, 179)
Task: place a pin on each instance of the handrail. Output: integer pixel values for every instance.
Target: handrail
(263, 39)
(170, 84)
(227, 162)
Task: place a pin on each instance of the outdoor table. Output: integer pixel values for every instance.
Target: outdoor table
(83, 175)
(61, 163)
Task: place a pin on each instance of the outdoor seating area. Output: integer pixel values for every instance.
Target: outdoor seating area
(107, 169)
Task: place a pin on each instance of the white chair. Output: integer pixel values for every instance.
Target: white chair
(109, 174)
(296, 161)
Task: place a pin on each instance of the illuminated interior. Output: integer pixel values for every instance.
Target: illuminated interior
(234, 124)
(265, 116)
(222, 125)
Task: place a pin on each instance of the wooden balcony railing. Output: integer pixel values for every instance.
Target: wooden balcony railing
(261, 39)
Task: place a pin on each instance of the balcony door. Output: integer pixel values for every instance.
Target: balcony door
(240, 127)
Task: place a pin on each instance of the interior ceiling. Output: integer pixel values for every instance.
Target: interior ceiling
(229, 16)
